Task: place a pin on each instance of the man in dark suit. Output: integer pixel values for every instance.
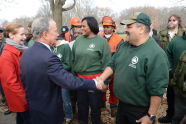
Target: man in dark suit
(42, 75)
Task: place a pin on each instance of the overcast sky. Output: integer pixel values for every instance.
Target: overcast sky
(124, 4)
(18, 8)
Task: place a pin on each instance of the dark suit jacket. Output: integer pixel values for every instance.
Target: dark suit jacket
(42, 75)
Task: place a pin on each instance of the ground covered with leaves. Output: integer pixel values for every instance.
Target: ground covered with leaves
(105, 115)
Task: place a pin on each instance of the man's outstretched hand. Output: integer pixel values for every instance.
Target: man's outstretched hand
(100, 84)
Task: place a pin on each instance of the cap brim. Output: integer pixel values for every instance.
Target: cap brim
(106, 24)
(127, 22)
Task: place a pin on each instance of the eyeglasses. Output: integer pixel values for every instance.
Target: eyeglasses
(79, 26)
(173, 20)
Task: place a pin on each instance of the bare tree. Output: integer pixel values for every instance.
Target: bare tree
(179, 3)
(44, 11)
(82, 8)
(23, 21)
(86, 8)
(57, 9)
(159, 16)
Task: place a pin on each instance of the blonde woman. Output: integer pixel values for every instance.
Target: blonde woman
(10, 72)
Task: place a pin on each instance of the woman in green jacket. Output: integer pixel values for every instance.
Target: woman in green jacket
(91, 54)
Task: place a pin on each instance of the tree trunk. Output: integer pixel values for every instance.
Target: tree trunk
(57, 11)
(57, 16)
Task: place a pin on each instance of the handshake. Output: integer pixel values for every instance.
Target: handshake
(100, 84)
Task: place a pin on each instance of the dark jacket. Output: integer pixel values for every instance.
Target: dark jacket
(164, 37)
(174, 51)
(2, 44)
(42, 75)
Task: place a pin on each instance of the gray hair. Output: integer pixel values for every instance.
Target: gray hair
(147, 29)
(39, 26)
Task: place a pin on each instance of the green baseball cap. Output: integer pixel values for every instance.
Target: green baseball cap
(138, 17)
(2, 29)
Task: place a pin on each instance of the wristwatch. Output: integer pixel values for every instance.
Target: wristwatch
(152, 117)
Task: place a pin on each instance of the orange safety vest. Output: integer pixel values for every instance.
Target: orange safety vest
(114, 41)
(68, 36)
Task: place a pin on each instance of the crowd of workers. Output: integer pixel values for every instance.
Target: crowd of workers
(51, 78)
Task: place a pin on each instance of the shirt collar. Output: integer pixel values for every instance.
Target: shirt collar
(46, 45)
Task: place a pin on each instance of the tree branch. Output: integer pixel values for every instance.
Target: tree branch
(57, 2)
(69, 8)
(51, 5)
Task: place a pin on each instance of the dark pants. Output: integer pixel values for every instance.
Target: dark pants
(73, 96)
(86, 99)
(48, 116)
(22, 118)
(128, 114)
(2, 93)
(180, 108)
(170, 102)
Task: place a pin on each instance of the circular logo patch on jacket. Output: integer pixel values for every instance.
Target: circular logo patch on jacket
(91, 46)
(59, 55)
(134, 60)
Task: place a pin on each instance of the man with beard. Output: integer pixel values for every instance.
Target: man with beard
(174, 28)
(75, 24)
